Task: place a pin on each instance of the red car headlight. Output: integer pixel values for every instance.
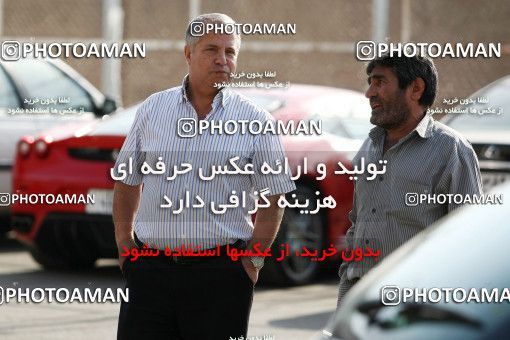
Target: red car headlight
(42, 147)
(24, 146)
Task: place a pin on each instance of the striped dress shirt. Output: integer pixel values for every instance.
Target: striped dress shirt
(155, 134)
(432, 159)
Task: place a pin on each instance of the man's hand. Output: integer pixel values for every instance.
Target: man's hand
(265, 228)
(250, 269)
(126, 199)
(129, 244)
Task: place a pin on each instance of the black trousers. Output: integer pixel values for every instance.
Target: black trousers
(207, 300)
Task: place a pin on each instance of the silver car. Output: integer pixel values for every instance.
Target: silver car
(487, 127)
(464, 252)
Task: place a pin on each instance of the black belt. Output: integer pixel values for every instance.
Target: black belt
(190, 260)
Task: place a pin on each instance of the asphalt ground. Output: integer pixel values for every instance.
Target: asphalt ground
(277, 313)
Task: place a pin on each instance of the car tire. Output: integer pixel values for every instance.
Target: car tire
(297, 230)
(52, 261)
(59, 248)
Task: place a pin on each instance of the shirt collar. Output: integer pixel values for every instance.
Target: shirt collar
(184, 86)
(222, 96)
(424, 129)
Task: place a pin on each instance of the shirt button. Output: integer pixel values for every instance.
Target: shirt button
(381, 178)
(367, 241)
(373, 210)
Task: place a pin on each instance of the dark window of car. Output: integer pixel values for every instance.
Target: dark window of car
(43, 81)
(8, 97)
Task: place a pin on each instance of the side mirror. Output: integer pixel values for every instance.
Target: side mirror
(109, 106)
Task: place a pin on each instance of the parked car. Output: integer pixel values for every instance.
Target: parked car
(465, 250)
(489, 133)
(79, 162)
(36, 94)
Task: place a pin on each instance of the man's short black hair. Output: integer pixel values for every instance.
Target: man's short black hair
(408, 69)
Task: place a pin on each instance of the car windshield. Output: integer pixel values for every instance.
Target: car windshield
(352, 120)
(498, 98)
(48, 87)
(268, 103)
(347, 116)
(118, 123)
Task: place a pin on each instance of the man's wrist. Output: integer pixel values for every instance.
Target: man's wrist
(125, 242)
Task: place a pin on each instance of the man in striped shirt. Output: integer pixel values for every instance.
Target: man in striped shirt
(195, 297)
(423, 157)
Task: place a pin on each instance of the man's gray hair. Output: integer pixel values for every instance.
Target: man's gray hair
(204, 19)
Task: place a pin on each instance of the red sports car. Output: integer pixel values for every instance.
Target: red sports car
(76, 160)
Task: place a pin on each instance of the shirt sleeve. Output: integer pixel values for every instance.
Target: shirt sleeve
(349, 235)
(131, 153)
(463, 174)
(353, 214)
(269, 149)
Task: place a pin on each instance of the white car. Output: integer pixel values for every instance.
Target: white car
(37, 94)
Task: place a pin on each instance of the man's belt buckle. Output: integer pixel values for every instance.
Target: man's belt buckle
(186, 260)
